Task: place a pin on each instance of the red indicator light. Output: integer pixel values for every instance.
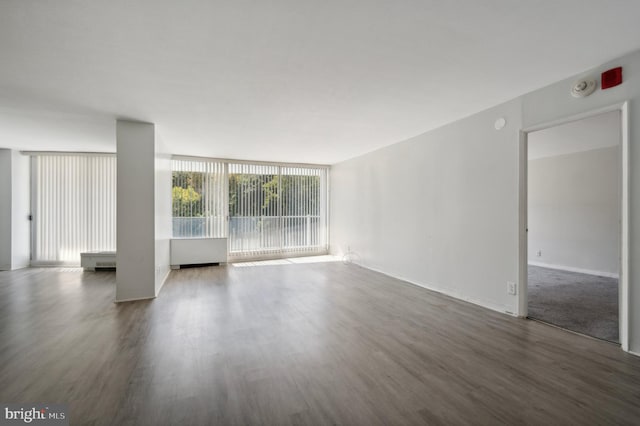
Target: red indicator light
(611, 78)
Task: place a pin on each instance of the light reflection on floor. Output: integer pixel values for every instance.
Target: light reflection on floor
(289, 261)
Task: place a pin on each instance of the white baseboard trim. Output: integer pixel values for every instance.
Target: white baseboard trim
(633, 353)
(54, 264)
(134, 299)
(10, 268)
(453, 294)
(164, 280)
(21, 266)
(579, 270)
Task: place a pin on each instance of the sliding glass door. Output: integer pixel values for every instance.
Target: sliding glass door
(276, 209)
(254, 218)
(303, 203)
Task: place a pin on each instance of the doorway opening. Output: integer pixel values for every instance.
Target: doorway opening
(574, 239)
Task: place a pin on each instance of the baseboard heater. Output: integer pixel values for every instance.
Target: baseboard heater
(197, 251)
(92, 260)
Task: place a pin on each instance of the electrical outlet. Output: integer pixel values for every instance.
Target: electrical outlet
(539, 253)
(511, 288)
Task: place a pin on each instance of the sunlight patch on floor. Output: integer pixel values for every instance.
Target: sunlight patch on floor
(289, 261)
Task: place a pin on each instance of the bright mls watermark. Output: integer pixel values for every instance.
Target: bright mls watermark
(37, 414)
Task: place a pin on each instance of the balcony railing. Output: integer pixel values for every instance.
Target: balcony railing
(258, 234)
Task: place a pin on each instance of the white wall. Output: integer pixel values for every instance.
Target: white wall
(21, 208)
(5, 209)
(594, 132)
(441, 209)
(135, 257)
(14, 210)
(552, 103)
(574, 210)
(163, 224)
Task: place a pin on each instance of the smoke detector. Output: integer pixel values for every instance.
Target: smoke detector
(583, 88)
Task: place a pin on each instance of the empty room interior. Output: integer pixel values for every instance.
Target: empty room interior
(299, 212)
(573, 225)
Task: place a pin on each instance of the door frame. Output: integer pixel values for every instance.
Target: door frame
(623, 286)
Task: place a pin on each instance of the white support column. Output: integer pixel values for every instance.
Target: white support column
(135, 257)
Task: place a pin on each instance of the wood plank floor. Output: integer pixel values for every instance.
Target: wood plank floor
(323, 343)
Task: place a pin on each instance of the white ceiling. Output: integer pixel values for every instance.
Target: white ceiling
(600, 131)
(290, 80)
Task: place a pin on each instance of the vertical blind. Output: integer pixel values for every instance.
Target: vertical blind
(272, 209)
(264, 209)
(303, 208)
(74, 206)
(199, 199)
(254, 210)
